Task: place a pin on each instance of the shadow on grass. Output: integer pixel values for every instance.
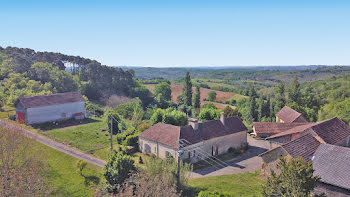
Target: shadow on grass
(62, 124)
(91, 180)
(191, 191)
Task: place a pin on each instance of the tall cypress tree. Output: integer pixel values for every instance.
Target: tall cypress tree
(294, 93)
(187, 90)
(252, 104)
(261, 109)
(197, 98)
(280, 97)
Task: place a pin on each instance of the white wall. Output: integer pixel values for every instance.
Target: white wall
(53, 112)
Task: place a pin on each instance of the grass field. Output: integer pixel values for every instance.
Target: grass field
(86, 136)
(245, 184)
(63, 176)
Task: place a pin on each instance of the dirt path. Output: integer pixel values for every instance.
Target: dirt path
(58, 146)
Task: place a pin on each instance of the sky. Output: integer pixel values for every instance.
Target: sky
(173, 33)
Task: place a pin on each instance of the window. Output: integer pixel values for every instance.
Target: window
(155, 149)
(167, 154)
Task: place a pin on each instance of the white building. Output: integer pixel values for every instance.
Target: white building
(46, 108)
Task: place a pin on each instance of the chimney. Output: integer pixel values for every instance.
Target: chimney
(194, 123)
(222, 118)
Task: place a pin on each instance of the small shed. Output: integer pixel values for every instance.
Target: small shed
(47, 108)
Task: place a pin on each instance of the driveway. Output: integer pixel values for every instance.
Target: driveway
(58, 146)
(248, 162)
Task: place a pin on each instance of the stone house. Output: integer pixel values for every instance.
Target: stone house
(197, 140)
(47, 108)
(289, 115)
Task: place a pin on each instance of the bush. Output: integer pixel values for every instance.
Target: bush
(209, 114)
(212, 96)
(132, 140)
(210, 105)
(94, 109)
(143, 126)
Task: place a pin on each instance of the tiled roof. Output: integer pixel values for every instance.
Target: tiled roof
(273, 127)
(170, 135)
(332, 163)
(331, 131)
(289, 115)
(51, 99)
(296, 129)
(304, 146)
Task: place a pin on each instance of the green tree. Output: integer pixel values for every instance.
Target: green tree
(210, 105)
(163, 90)
(229, 112)
(272, 110)
(197, 98)
(209, 114)
(294, 94)
(261, 109)
(112, 115)
(187, 90)
(169, 116)
(295, 179)
(280, 97)
(252, 105)
(157, 116)
(117, 170)
(212, 96)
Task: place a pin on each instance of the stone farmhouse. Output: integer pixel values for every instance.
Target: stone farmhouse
(47, 108)
(197, 140)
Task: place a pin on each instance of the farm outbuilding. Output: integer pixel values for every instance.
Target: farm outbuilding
(47, 108)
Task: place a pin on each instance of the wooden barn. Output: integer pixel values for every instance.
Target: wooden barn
(47, 108)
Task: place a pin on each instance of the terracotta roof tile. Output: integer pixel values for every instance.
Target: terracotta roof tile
(51, 99)
(273, 127)
(170, 135)
(289, 115)
(297, 129)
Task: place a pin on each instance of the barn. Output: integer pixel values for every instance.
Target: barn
(47, 108)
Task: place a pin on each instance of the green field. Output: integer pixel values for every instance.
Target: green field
(85, 135)
(63, 176)
(245, 184)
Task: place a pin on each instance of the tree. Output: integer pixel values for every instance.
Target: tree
(163, 90)
(22, 172)
(157, 116)
(212, 96)
(252, 105)
(229, 112)
(112, 115)
(295, 179)
(261, 109)
(272, 110)
(210, 105)
(197, 98)
(280, 97)
(187, 90)
(169, 116)
(117, 170)
(81, 164)
(294, 94)
(209, 114)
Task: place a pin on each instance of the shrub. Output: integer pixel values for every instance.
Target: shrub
(131, 140)
(212, 96)
(210, 105)
(143, 126)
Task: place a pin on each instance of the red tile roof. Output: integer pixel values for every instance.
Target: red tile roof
(297, 129)
(170, 135)
(331, 131)
(273, 127)
(51, 99)
(304, 146)
(289, 115)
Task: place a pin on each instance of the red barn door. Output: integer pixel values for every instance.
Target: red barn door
(20, 117)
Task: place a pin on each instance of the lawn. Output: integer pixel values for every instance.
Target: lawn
(86, 136)
(63, 176)
(244, 184)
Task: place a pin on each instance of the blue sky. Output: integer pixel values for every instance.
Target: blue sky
(183, 32)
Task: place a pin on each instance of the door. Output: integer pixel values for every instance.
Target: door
(20, 117)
